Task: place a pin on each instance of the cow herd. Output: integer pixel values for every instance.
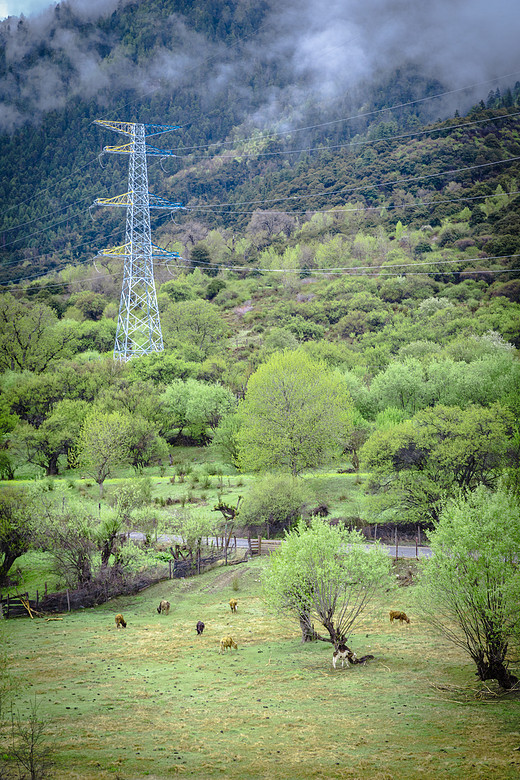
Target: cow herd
(341, 651)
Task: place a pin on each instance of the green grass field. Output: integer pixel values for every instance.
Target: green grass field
(155, 700)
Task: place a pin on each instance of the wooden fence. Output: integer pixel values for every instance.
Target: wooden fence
(261, 546)
(17, 606)
(20, 605)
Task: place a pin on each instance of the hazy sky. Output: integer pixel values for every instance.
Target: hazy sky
(25, 7)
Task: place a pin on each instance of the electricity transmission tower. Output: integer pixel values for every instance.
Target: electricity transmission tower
(138, 325)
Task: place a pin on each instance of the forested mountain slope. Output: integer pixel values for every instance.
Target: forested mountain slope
(276, 113)
(360, 221)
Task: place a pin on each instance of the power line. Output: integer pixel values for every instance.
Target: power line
(364, 142)
(361, 115)
(338, 209)
(388, 183)
(286, 132)
(324, 270)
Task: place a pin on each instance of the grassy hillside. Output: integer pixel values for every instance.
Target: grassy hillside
(156, 700)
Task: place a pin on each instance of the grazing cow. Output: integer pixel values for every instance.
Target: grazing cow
(227, 641)
(396, 614)
(200, 627)
(120, 621)
(164, 607)
(345, 654)
(233, 603)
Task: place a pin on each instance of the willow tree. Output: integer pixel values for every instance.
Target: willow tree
(325, 575)
(296, 415)
(471, 584)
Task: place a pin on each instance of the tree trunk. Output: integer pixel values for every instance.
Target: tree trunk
(308, 633)
(52, 465)
(6, 564)
(494, 668)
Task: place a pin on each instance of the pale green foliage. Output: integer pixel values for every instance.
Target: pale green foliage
(69, 532)
(43, 444)
(17, 527)
(31, 336)
(132, 494)
(192, 528)
(326, 575)
(196, 326)
(402, 385)
(296, 414)
(103, 444)
(225, 438)
(195, 406)
(470, 588)
(275, 502)
(416, 464)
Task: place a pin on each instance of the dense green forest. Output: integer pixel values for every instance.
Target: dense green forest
(366, 237)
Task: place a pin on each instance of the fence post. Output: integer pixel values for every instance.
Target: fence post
(259, 545)
(68, 601)
(396, 544)
(169, 570)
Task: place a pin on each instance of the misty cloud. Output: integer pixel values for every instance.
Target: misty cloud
(316, 50)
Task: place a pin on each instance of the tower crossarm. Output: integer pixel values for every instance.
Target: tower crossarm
(155, 202)
(156, 152)
(127, 128)
(158, 129)
(118, 200)
(124, 149)
(152, 151)
(125, 250)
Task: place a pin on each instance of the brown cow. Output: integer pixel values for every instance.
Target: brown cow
(396, 614)
(233, 603)
(120, 621)
(227, 641)
(164, 607)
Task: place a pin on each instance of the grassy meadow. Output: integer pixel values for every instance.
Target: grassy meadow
(155, 700)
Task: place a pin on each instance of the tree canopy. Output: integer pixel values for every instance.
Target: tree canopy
(296, 414)
(471, 585)
(417, 463)
(325, 574)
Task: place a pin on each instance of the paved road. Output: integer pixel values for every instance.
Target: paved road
(403, 551)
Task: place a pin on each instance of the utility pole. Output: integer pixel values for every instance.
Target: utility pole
(138, 325)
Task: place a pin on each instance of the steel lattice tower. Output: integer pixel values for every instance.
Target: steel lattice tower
(138, 325)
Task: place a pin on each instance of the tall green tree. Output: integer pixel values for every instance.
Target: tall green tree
(325, 575)
(195, 407)
(44, 444)
(31, 336)
(296, 415)
(103, 444)
(418, 463)
(470, 587)
(17, 528)
(275, 502)
(194, 326)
